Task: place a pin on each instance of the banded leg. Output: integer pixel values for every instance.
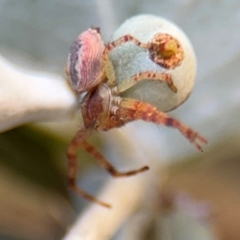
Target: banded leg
(124, 39)
(77, 142)
(108, 166)
(148, 75)
(131, 109)
(107, 63)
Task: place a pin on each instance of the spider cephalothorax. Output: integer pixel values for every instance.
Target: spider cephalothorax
(89, 69)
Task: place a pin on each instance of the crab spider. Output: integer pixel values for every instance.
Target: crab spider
(89, 69)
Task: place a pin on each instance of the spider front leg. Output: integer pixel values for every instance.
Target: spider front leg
(79, 141)
(163, 49)
(148, 75)
(131, 109)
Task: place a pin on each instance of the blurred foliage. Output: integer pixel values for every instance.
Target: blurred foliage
(35, 156)
(34, 195)
(212, 178)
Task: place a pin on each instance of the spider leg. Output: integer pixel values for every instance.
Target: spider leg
(131, 109)
(148, 75)
(107, 63)
(77, 142)
(124, 39)
(108, 166)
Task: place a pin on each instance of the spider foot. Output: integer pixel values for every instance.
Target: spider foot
(197, 140)
(115, 173)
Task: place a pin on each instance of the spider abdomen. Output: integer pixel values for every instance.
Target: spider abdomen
(84, 65)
